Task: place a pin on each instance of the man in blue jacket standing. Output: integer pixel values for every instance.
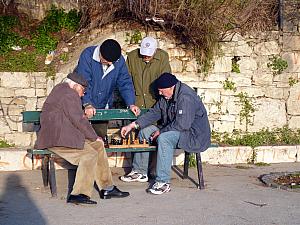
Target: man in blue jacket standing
(105, 69)
(184, 125)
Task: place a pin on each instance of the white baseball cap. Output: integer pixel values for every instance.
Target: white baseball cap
(148, 46)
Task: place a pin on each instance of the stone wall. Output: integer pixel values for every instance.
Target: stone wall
(274, 97)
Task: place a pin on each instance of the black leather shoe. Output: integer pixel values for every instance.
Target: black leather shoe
(80, 199)
(114, 193)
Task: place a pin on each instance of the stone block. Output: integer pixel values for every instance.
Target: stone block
(276, 93)
(212, 96)
(226, 155)
(4, 126)
(216, 77)
(262, 79)
(28, 92)
(293, 60)
(191, 66)
(247, 64)
(176, 52)
(176, 65)
(273, 107)
(252, 91)
(223, 126)
(240, 79)
(267, 48)
(242, 49)
(291, 42)
(13, 159)
(7, 92)
(222, 65)
(19, 139)
(15, 80)
(277, 154)
(294, 122)
(293, 101)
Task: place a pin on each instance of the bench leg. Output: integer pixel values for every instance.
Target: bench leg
(45, 170)
(52, 178)
(200, 171)
(186, 165)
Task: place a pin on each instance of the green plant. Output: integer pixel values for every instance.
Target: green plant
(50, 72)
(5, 144)
(247, 108)
(229, 85)
(44, 43)
(235, 67)
(292, 81)
(134, 38)
(19, 62)
(192, 160)
(64, 56)
(279, 136)
(8, 38)
(277, 65)
(252, 159)
(261, 164)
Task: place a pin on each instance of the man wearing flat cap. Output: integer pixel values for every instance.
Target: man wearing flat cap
(105, 69)
(184, 125)
(66, 131)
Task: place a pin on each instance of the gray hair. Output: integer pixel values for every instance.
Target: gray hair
(69, 81)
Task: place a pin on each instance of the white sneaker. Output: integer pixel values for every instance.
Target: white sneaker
(134, 176)
(159, 188)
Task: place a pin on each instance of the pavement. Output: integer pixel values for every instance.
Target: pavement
(232, 195)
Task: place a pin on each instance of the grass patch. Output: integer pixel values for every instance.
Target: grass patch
(5, 144)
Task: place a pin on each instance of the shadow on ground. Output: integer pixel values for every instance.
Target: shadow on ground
(16, 205)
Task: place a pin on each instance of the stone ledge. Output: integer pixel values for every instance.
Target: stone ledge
(12, 159)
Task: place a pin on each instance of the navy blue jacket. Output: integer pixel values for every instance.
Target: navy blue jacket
(185, 113)
(102, 84)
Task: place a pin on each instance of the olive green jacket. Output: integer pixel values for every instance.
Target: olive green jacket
(144, 74)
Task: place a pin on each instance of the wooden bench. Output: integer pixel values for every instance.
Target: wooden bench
(48, 168)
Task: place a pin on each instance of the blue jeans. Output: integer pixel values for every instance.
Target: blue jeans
(166, 144)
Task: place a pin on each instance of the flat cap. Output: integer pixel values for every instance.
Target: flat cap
(78, 79)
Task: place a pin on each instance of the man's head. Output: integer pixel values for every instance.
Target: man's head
(166, 85)
(148, 48)
(110, 51)
(77, 82)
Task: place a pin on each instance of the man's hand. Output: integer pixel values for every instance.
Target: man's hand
(125, 130)
(136, 110)
(154, 135)
(89, 111)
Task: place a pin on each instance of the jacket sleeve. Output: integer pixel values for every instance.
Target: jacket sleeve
(84, 68)
(185, 115)
(125, 84)
(151, 116)
(73, 111)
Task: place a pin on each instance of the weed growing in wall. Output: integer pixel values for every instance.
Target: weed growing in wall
(134, 38)
(247, 109)
(5, 144)
(229, 85)
(277, 64)
(292, 81)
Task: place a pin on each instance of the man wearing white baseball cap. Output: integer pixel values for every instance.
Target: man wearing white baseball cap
(145, 65)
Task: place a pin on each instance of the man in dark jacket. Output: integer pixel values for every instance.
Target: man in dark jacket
(145, 65)
(105, 69)
(66, 131)
(185, 125)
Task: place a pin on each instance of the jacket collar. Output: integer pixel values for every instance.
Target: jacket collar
(176, 91)
(96, 57)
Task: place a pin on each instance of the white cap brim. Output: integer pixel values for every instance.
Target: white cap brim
(147, 51)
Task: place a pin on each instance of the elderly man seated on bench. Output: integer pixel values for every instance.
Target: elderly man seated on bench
(184, 125)
(66, 131)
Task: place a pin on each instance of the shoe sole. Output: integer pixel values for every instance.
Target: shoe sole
(159, 193)
(136, 180)
(109, 197)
